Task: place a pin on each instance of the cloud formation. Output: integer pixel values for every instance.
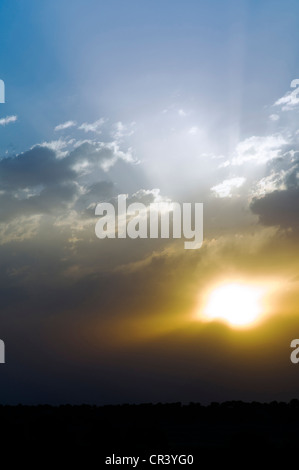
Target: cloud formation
(95, 126)
(8, 120)
(65, 125)
(279, 208)
(259, 149)
(291, 99)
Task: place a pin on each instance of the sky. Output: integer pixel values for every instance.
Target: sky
(173, 102)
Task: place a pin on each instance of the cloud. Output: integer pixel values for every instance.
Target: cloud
(8, 120)
(225, 188)
(60, 179)
(65, 125)
(148, 196)
(122, 130)
(291, 99)
(268, 184)
(37, 166)
(279, 173)
(42, 163)
(259, 149)
(279, 208)
(53, 200)
(93, 127)
(274, 117)
(101, 191)
(224, 164)
(88, 156)
(41, 166)
(60, 146)
(193, 130)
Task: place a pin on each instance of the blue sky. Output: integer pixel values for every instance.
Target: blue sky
(129, 60)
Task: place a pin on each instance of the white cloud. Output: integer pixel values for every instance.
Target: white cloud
(58, 146)
(121, 130)
(225, 188)
(93, 126)
(224, 164)
(117, 155)
(151, 195)
(78, 143)
(193, 130)
(8, 120)
(65, 125)
(274, 117)
(182, 113)
(290, 99)
(270, 183)
(257, 148)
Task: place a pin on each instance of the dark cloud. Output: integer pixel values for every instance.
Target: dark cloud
(52, 199)
(99, 191)
(279, 208)
(40, 165)
(291, 179)
(93, 152)
(95, 193)
(37, 166)
(38, 182)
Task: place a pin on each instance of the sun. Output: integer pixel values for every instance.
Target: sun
(235, 303)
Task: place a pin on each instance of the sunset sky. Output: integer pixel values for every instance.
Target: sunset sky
(163, 101)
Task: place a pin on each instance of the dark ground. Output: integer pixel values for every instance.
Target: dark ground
(230, 432)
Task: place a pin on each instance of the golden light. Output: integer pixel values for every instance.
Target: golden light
(235, 303)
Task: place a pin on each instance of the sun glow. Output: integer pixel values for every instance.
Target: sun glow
(235, 303)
